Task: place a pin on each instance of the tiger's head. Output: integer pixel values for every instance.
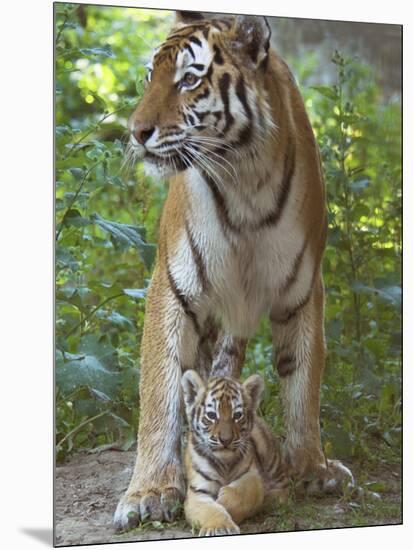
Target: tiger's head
(221, 412)
(204, 97)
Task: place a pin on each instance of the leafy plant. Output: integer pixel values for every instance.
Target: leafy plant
(103, 257)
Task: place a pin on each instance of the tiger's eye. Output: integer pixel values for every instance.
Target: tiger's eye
(237, 415)
(189, 79)
(211, 415)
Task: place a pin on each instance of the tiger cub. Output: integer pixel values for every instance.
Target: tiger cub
(233, 461)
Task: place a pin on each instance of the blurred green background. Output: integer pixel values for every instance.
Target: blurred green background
(107, 215)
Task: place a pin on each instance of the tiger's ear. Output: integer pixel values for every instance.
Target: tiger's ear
(254, 386)
(253, 34)
(192, 385)
(188, 16)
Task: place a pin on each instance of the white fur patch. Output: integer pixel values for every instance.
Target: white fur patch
(203, 56)
(157, 171)
(245, 278)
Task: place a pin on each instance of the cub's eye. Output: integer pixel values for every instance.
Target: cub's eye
(190, 79)
(237, 415)
(211, 415)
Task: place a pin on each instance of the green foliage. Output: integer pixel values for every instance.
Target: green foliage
(361, 150)
(107, 218)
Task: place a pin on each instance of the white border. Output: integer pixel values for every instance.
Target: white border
(27, 280)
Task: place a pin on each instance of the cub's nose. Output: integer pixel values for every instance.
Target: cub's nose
(225, 440)
(142, 132)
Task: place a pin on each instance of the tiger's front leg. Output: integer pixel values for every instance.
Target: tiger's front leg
(299, 341)
(244, 497)
(208, 515)
(229, 355)
(169, 344)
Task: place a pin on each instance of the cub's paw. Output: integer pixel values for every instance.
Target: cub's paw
(150, 505)
(225, 528)
(217, 522)
(227, 496)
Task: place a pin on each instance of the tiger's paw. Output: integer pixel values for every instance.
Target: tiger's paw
(335, 479)
(224, 528)
(227, 496)
(313, 474)
(217, 521)
(152, 505)
(338, 479)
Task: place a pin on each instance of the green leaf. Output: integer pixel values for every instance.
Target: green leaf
(340, 439)
(136, 293)
(359, 185)
(75, 219)
(326, 91)
(119, 421)
(125, 236)
(158, 525)
(390, 294)
(106, 51)
(63, 129)
(393, 437)
(334, 236)
(94, 365)
(140, 86)
(99, 395)
(116, 181)
(77, 173)
(119, 320)
(70, 25)
(377, 486)
(85, 392)
(359, 211)
(73, 294)
(334, 329)
(65, 259)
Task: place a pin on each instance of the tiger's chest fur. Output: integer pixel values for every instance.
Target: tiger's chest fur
(232, 255)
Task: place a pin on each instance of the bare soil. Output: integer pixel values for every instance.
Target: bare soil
(88, 487)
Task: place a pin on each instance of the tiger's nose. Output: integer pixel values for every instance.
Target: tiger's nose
(142, 132)
(225, 440)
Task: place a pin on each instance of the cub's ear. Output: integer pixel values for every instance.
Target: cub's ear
(192, 385)
(254, 386)
(188, 16)
(252, 34)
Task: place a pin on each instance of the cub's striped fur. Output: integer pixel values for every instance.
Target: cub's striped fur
(233, 461)
(242, 236)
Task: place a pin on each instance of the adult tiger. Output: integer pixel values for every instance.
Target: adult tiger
(242, 235)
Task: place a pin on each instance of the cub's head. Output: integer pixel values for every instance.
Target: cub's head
(220, 413)
(204, 96)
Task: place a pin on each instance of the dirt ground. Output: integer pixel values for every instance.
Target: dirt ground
(88, 487)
